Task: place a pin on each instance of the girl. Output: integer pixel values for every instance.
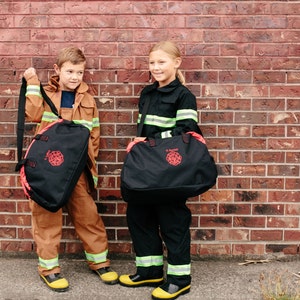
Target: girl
(172, 111)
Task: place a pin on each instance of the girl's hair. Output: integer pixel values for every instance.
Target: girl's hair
(171, 49)
(71, 54)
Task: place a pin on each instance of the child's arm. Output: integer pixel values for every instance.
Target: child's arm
(34, 102)
(95, 133)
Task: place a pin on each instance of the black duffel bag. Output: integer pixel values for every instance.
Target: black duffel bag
(54, 160)
(166, 170)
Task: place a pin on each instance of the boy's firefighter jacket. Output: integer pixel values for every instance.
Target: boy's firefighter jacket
(84, 112)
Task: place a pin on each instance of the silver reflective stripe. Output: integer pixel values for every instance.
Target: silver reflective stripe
(49, 117)
(33, 90)
(87, 124)
(148, 261)
(179, 270)
(183, 114)
(96, 258)
(159, 121)
(48, 263)
(166, 134)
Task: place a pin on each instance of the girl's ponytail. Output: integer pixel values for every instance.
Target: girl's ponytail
(180, 76)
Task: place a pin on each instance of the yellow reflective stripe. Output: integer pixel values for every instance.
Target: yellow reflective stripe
(96, 258)
(33, 90)
(96, 122)
(95, 178)
(183, 114)
(179, 270)
(49, 117)
(49, 263)
(148, 261)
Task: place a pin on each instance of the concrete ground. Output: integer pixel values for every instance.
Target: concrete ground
(211, 280)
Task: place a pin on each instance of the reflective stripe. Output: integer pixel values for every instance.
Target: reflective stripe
(148, 261)
(96, 258)
(87, 124)
(95, 179)
(49, 263)
(96, 122)
(49, 117)
(33, 90)
(158, 121)
(166, 134)
(179, 270)
(183, 114)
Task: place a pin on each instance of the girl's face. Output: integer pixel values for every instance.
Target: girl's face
(163, 67)
(70, 75)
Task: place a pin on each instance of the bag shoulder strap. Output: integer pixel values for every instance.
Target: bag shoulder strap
(143, 117)
(21, 119)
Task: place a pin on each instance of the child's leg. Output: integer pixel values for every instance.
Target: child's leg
(175, 223)
(144, 230)
(46, 231)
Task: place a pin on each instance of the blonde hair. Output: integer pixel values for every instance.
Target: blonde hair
(71, 54)
(171, 49)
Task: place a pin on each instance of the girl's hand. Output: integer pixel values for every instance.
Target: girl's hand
(134, 142)
(139, 139)
(30, 72)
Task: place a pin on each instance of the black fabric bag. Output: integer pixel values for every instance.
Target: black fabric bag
(54, 160)
(167, 169)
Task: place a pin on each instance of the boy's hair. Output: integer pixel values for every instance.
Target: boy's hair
(171, 49)
(71, 54)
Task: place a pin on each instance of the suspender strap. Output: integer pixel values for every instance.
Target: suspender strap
(143, 117)
(21, 119)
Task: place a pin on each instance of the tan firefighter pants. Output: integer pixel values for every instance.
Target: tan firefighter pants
(47, 230)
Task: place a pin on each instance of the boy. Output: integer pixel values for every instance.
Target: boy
(70, 95)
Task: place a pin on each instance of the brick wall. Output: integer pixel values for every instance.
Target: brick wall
(241, 60)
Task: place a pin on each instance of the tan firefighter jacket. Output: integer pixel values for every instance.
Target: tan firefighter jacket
(84, 112)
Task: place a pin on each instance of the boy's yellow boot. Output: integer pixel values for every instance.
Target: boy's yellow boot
(55, 282)
(107, 276)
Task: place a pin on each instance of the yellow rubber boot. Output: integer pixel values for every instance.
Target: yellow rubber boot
(169, 291)
(136, 281)
(107, 276)
(55, 282)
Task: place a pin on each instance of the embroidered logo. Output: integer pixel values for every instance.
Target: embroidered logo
(55, 158)
(173, 157)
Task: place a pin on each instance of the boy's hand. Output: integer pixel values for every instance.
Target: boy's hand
(30, 72)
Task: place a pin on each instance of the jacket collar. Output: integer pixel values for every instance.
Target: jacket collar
(54, 84)
(165, 89)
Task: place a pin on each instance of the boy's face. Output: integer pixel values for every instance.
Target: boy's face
(70, 75)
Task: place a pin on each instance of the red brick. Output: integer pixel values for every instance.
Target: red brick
(214, 249)
(283, 222)
(242, 249)
(284, 248)
(249, 222)
(234, 209)
(292, 235)
(232, 235)
(266, 235)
